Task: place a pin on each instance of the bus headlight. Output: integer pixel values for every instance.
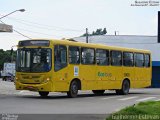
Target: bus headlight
(16, 78)
(47, 79)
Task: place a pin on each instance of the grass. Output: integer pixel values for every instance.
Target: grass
(141, 111)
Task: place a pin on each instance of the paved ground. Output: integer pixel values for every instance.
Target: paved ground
(26, 102)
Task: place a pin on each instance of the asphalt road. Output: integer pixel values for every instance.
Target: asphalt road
(85, 105)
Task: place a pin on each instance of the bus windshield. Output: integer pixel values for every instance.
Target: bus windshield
(33, 60)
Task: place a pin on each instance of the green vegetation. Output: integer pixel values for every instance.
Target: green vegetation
(5, 56)
(97, 32)
(142, 111)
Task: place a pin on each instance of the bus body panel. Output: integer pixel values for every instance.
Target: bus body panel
(60, 80)
(92, 77)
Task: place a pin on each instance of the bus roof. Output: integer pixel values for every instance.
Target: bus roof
(92, 45)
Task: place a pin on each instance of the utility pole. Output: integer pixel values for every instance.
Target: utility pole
(86, 35)
(116, 33)
(158, 26)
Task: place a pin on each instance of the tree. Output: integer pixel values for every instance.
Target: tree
(93, 33)
(104, 31)
(97, 32)
(5, 56)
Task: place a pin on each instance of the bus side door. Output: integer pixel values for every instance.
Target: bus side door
(60, 68)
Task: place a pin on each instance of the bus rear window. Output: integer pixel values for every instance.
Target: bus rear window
(147, 60)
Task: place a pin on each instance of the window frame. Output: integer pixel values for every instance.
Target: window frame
(79, 50)
(145, 60)
(130, 59)
(81, 60)
(112, 58)
(135, 59)
(107, 57)
(65, 65)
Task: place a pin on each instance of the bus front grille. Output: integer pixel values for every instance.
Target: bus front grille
(30, 77)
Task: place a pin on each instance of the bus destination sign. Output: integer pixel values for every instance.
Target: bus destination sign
(34, 43)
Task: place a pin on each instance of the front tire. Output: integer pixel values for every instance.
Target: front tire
(98, 92)
(4, 78)
(125, 88)
(73, 90)
(43, 94)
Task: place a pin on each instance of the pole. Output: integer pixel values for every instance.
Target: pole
(115, 33)
(158, 27)
(86, 35)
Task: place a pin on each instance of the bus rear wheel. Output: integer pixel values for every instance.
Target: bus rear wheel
(73, 90)
(125, 88)
(98, 92)
(43, 93)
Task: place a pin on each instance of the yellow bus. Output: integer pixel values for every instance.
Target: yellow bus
(68, 66)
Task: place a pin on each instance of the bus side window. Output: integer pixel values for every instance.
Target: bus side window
(74, 56)
(60, 57)
(102, 57)
(139, 59)
(116, 58)
(88, 56)
(147, 60)
(127, 59)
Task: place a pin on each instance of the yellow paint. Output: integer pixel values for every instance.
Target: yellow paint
(111, 77)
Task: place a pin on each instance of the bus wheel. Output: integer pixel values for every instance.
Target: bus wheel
(4, 78)
(125, 88)
(98, 92)
(73, 90)
(43, 94)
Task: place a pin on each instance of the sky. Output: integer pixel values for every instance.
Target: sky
(59, 19)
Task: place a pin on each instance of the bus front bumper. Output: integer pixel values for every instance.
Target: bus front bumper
(35, 87)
